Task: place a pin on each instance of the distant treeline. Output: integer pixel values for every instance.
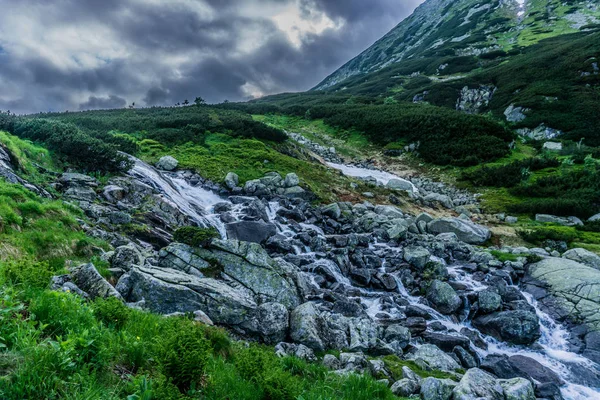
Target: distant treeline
(91, 141)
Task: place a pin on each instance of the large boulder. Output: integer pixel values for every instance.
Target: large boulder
(517, 327)
(250, 231)
(553, 219)
(400, 184)
(594, 218)
(88, 279)
(584, 256)
(308, 327)
(574, 286)
(465, 230)
(519, 366)
(167, 163)
(417, 256)
(476, 384)
(489, 301)
(517, 389)
(435, 358)
(437, 389)
(253, 293)
(443, 297)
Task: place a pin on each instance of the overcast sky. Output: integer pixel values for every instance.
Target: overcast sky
(58, 55)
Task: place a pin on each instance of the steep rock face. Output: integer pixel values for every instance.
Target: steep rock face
(235, 283)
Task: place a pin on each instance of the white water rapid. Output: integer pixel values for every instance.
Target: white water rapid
(552, 350)
(194, 201)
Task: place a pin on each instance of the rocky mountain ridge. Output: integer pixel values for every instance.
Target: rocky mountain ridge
(442, 28)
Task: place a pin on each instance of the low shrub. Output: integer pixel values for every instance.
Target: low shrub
(194, 236)
(112, 312)
(184, 354)
(27, 273)
(508, 175)
(555, 233)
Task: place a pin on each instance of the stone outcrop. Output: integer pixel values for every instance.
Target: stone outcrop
(573, 286)
(465, 230)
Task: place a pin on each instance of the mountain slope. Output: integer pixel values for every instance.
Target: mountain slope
(467, 28)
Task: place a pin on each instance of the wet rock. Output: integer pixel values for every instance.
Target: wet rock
(465, 230)
(517, 389)
(435, 358)
(517, 327)
(444, 341)
(416, 325)
(489, 301)
(437, 389)
(167, 163)
(88, 279)
(417, 256)
(478, 384)
(250, 231)
(518, 366)
(443, 298)
(465, 358)
(399, 333)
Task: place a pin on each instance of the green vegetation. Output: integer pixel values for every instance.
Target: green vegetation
(71, 144)
(195, 237)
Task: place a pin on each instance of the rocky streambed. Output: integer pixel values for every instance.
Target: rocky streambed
(364, 279)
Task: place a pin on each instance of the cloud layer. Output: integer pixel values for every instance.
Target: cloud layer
(85, 54)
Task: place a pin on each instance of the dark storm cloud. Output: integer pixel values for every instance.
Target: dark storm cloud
(109, 102)
(86, 54)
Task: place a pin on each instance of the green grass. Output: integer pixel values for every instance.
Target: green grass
(249, 158)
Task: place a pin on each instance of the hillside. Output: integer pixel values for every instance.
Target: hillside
(448, 28)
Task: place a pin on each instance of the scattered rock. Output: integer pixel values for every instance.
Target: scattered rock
(167, 163)
(443, 297)
(517, 327)
(477, 384)
(466, 231)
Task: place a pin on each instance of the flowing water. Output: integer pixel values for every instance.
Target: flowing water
(382, 177)
(553, 350)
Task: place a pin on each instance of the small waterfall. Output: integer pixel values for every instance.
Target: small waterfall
(195, 202)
